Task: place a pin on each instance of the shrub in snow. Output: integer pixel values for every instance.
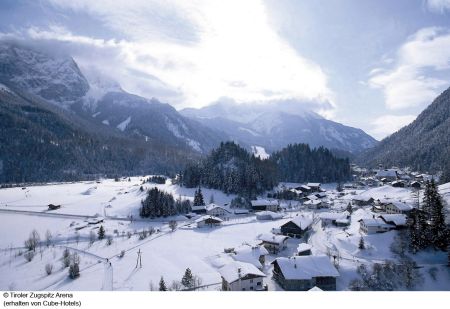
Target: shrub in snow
(32, 241)
(49, 268)
(122, 254)
(101, 232)
(66, 258)
(143, 234)
(162, 285)
(129, 234)
(361, 244)
(173, 225)
(29, 255)
(74, 271)
(109, 241)
(48, 238)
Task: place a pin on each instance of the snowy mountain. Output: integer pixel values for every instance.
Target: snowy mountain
(423, 145)
(273, 126)
(58, 80)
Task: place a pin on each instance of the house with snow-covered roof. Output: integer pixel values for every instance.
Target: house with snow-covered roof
(251, 253)
(328, 218)
(208, 221)
(397, 220)
(216, 210)
(199, 210)
(374, 225)
(395, 207)
(273, 243)
(241, 276)
(297, 227)
(387, 174)
(264, 204)
(268, 215)
(304, 249)
(315, 186)
(301, 273)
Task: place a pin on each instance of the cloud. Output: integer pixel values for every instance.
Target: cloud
(387, 124)
(410, 83)
(198, 51)
(438, 6)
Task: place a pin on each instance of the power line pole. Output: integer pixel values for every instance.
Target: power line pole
(139, 259)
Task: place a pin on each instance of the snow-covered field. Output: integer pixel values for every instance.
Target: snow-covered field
(165, 253)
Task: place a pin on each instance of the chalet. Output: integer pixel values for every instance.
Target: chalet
(304, 189)
(297, 227)
(208, 221)
(315, 204)
(399, 221)
(398, 208)
(199, 210)
(250, 253)
(321, 195)
(387, 174)
(262, 204)
(374, 225)
(304, 249)
(241, 276)
(301, 273)
(216, 210)
(331, 218)
(315, 186)
(268, 215)
(53, 207)
(241, 211)
(273, 243)
(362, 200)
(398, 184)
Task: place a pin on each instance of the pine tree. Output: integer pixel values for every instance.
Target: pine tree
(349, 208)
(438, 229)
(198, 198)
(162, 285)
(361, 244)
(101, 232)
(188, 279)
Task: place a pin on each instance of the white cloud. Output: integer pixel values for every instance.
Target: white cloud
(438, 6)
(227, 43)
(387, 124)
(410, 83)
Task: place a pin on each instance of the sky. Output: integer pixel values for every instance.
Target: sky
(372, 64)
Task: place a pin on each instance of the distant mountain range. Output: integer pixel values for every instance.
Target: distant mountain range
(423, 145)
(57, 123)
(273, 126)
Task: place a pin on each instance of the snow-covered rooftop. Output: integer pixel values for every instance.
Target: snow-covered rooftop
(303, 247)
(204, 218)
(334, 215)
(397, 219)
(272, 238)
(302, 222)
(401, 205)
(271, 214)
(250, 254)
(313, 184)
(306, 267)
(264, 202)
(211, 206)
(387, 173)
(235, 270)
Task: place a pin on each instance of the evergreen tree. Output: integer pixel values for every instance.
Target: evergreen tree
(188, 279)
(101, 232)
(361, 244)
(162, 285)
(438, 229)
(349, 208)
(198, 197)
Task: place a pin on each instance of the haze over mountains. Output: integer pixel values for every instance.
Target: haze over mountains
(275, 125)
(88, 123)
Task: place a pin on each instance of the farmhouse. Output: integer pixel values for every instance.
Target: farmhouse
(329, 218)
(268, 215)
(210, 221)
(262, 204)
(373, 226)
(362, 200)
(304, 249)
(241, 276)
(315, 186)
(199, 210)
(304, 189)
(273, 243)
(387, 175)
(415, 184)
(398, 184)
(301, 273)
(216, 210)
(398, 208)
(253, 254)
(297, 226)
(397, 220)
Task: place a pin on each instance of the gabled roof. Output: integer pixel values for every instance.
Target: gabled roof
(334, 215)
(200, 207)
(401, 205)
(264, 202)
(212, 206)
(235, 270)
(306, 267)
(397, 219)
(204, 218)
(387, 173)
(250, 254)
(271, 214)
(272, 238)
(303, 247)
(302, 222)
(374, 222)
(313, 184)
